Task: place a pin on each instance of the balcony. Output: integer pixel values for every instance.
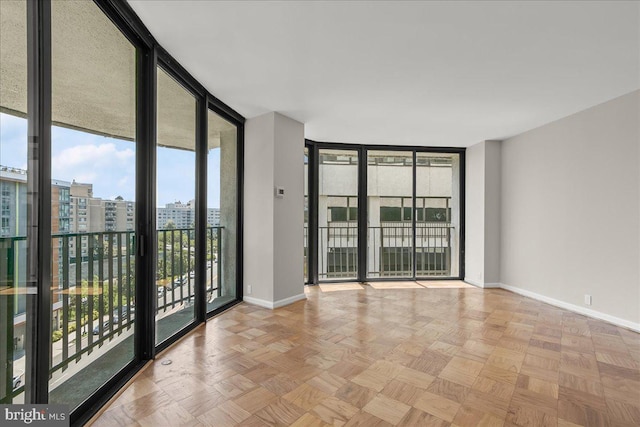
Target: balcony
(389, 250)
(93, 302)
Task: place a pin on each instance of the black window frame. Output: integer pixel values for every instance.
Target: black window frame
(363, 149)
(149, 54)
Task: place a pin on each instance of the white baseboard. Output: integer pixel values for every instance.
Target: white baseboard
(481, 284)
(257, 301)
(274, 304)
(474, 283)
(575, 308)
(493, 285)
(290, 300)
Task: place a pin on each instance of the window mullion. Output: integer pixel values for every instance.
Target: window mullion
(38, 318)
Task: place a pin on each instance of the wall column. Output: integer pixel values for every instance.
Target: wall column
(482, 214)
(273, 223)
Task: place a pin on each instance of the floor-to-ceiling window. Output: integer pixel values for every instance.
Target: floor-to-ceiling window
(413, 217)
(15, 176)
(175, 201)
(337, 214)
(102, 138)
(438, 214)
(390, 214)
(222, 203)
(93, 199)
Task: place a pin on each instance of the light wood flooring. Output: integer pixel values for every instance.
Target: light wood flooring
(412, 356)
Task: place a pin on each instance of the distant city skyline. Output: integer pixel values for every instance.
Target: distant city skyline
(109, 163)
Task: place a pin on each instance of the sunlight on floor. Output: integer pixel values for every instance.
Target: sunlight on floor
(395, 285)
(401, 284)
(445, 284)
(333, 287)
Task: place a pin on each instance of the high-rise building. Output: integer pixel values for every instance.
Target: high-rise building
(93, 214)
(74, 209)
(183, 215)
(13, 201)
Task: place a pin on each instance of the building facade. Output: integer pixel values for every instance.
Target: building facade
(183, 215)
(74, 211)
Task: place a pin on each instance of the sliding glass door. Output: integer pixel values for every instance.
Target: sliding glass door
(120, 215)
(438, 214)
(413, 217)
(337, 214)
(222, 202)
(93, 200)
(17, 298)
(390, 214)
(175, 212)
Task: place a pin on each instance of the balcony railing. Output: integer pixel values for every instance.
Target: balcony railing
(93, 291)
(389, 250)
(175, 278)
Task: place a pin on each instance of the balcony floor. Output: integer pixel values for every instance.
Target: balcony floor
(416, 356)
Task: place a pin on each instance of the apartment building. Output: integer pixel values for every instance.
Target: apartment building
(13, 192)
(183, 215)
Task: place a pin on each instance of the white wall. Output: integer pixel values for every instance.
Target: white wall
(474, 215)
(482, 214)
(259, 152)
(570, 211)
(289, 214)
(273, 227)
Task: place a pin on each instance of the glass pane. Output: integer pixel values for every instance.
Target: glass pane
(306, 215)
(15, 303)
(390, 214)
(438, 214)
(221, 211)
(176, 189)
(337, 214)
(92, 201)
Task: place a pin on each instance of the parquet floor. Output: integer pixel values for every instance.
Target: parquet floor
(411, 356)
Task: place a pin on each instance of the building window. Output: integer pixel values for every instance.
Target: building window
(342, 209)
(4, 225)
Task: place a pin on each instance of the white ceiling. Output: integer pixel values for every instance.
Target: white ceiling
(417, 73)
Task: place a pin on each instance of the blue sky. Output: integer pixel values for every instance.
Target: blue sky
(109, 163)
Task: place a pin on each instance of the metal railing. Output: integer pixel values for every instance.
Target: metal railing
(175, 278)
(93, 278)
(391, 255)
(389, 250)
(93, 290)
(337, 252)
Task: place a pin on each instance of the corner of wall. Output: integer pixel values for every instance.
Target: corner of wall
(258, 208)
(492, 213)
(474, 214)
(273, 257)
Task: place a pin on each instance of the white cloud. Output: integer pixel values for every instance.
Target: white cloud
(13, 138)
(123, 182)
(109, 166)
(91, 155)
